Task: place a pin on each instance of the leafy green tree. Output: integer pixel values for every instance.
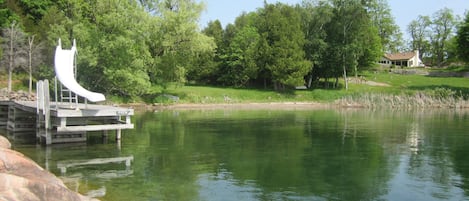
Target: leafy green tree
(418, 30)
(215, 30)
(381, 18)
(7, 13)
(443, 26)
(240, 58)
(114, 53)
(370, 48)
(33, 10)
(315, 16)
(206, 64)
(463, 39)
(344, 38)
(282, 45)
(175, 40)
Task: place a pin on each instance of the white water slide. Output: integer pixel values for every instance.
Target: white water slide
(64, 70)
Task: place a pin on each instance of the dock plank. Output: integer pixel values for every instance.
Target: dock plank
(95, 127)
(24, 115)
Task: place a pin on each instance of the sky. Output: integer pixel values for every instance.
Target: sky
(404, 11)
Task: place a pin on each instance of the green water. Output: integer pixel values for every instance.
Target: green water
(275, 155)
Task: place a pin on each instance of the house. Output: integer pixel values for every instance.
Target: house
(405, 59)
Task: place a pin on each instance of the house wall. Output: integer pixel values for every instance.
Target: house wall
(412, 62)
(416, 62)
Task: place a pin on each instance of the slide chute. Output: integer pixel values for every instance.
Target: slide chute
(64, 70)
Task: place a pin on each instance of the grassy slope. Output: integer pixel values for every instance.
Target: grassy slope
(201, 94)
(399, 84)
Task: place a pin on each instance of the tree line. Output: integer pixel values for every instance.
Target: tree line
(127, 47)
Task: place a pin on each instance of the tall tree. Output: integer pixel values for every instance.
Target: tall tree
(315, 16)
(442, 27)
(463, 39)
(382, 19)
(344, 40)
(283, 41)
(240, 58)
(205, 67)
(114, 53)
(176, 39)
(418, 30)
(214, 30)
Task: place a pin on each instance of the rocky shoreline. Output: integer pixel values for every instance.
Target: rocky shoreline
(23, 179)
(16, 95)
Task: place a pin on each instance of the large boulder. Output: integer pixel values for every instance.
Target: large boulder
(4, 143)
(23, 179)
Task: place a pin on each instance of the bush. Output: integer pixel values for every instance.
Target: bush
(442, 93)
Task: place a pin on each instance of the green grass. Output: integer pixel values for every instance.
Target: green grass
(413, 83)
(19, 81)
(399, 84)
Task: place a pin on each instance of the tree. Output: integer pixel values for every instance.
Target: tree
(7, 13)
(282, 42)
(113, 55)
(315, 16)
(34, 58)
(176, 40)
(206, 64)
(463, 39)
(442, 28)
(344, 36)
(240, 58)
(418, 30)
(13, 49)
(214, 30)
(382, 19)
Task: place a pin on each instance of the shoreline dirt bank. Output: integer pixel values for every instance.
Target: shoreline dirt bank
(23, 179)
(244, 106)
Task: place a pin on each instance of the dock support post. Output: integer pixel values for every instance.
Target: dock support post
(105, 133)
(47, 122)
(118, 134)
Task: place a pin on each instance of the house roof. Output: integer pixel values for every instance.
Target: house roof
(400, 56)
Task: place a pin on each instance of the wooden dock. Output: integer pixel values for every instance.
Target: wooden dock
(61, 122)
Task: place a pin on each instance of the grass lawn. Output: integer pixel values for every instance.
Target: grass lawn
(412, 83)
(398, 84)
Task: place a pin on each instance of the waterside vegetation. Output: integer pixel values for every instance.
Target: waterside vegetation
(371, 90)
(155, 52)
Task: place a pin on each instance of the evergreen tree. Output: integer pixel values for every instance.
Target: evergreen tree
(282, 46)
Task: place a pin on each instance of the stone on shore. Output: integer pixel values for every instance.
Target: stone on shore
(16, 95)
(23, 179)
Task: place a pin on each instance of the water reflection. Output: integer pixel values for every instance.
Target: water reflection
(282, 155)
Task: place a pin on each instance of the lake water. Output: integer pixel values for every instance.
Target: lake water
(275, 155)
